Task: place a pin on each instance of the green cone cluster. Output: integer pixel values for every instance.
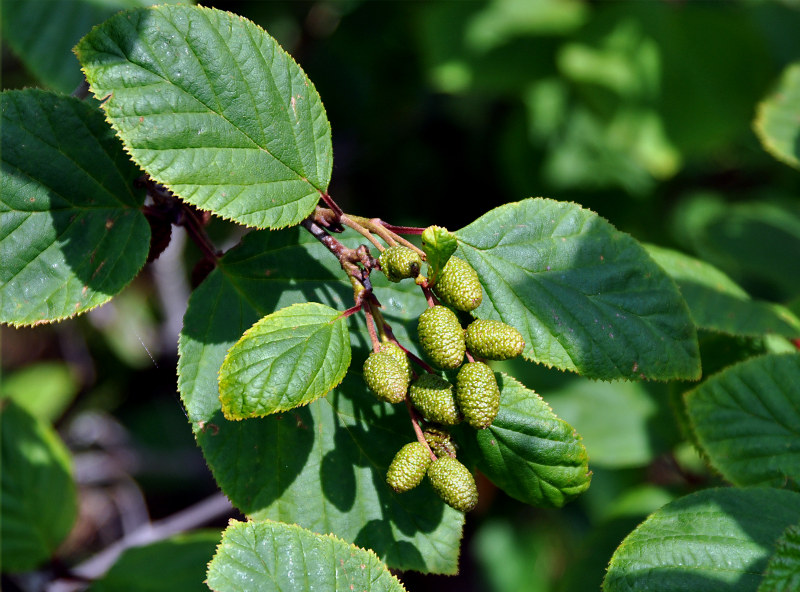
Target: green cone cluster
(450, 479)
(386, 377)
(440, 441)
(433, 396)
(408, 467)
(477, 394)
(458, 285)
(493, 340)
(394, 350)
(474, 397)
(453, 482)
(441, 337)
(399, 263)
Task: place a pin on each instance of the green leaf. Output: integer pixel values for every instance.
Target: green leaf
(783, 569)
(322, 466)
(715, 540)
(585, 296)
(528, 452)
(73, 234)
(777, 122)
(747, 420)
(176, 563)
(439, 244)
(717, 303)
(214, 109)
(274, 556)
(39, 502)
(287, 359)
(731, 236)
(44, 389)
(615, 420)
(44, 44)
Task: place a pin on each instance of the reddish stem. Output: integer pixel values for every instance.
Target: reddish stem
(373, 334)
(401, 229)
(331, 204)
(417, 429)
(198, 234)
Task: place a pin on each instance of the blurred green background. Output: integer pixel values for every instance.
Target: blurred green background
(442, 110)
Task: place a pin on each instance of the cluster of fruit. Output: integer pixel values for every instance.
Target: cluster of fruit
(475, 398)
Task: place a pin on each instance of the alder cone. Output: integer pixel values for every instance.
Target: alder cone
(493, 340)
(408, 467)
(440, 441)
(458, 285)
(386, 377)
(441, 337)
(477, 394)
(453, 482)
(394, 350)
(399, 262)
(433, 396)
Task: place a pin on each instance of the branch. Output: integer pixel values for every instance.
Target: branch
(207, 510)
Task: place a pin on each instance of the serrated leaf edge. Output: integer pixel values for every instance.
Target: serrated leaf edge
(160, 180)
(279, 409)
(234, 524)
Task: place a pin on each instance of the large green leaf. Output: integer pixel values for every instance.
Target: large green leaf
(323, 465)
(715, 540)
(528, 452)
(39, 502)
(213, 108)
(177, 563)
(274, 556)
(783, 569)
(717, 303)
(73, 234)
(747, 420)
(585, 296)
(778, 121)
(287, 359)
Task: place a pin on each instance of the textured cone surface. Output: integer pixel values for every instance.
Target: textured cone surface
(477, 394)
(440, 442)
(434, 398)
(408, 467)
(454, 483)
(386, 377)
(400, 262)
(458, 285)
(493, 340)
(394, 350)
(441, 337)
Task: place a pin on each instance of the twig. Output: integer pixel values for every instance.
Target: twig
(417, 429)
(205, 511)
